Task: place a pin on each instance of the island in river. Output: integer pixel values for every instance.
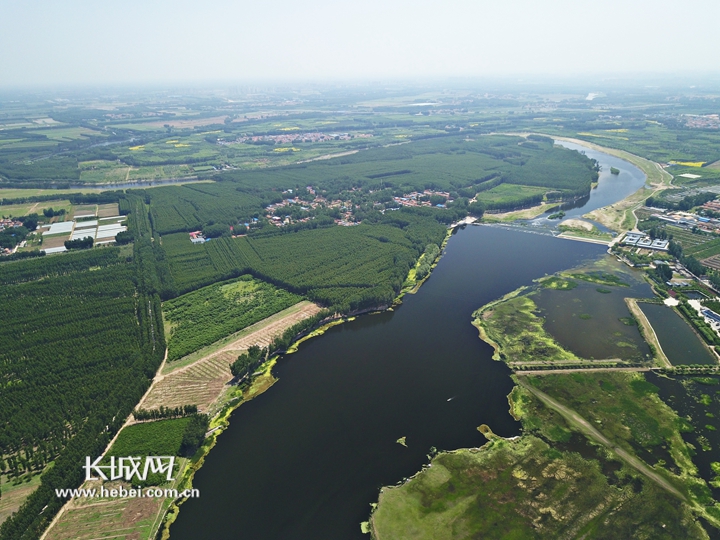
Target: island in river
(601, 455)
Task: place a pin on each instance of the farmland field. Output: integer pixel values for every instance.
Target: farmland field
(159, 438)
(201, 378)
(93, 519)
(24, 209)
(202, 317)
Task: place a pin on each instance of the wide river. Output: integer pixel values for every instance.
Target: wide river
(306, 459)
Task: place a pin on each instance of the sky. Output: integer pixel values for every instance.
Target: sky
(83, 42)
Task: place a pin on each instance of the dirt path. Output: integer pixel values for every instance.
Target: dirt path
(330, 156)
(648, 330)
(580, 369)
(574, 419)
(568, 236)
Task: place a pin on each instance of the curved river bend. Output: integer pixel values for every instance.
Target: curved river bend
(307, 458)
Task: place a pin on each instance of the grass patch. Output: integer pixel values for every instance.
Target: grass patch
(161, 438)
(533, 487)
(202, 317)
(513, 325)
(600, 278)
(558, 283)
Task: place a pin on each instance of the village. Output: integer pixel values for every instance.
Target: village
(9, 223)
(291, 137)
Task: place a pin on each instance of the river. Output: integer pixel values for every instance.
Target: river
(306, 459)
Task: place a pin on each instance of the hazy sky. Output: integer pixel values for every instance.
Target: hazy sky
(45, 42)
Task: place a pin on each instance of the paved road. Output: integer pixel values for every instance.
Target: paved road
(589, 430)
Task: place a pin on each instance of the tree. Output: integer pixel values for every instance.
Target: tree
(194, 434)
(124, 237)
(663, 272)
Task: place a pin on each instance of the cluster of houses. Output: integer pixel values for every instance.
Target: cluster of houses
(8, 223)
(416, 198)
(289, 138)
(703, 121)
(196, 237)
(687, 220)
(345, 208)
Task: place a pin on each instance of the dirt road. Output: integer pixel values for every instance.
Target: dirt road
(574, 419)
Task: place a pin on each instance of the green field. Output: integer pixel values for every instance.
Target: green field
(202, 317)
(506, 194)
(15, 210)
(159, 438)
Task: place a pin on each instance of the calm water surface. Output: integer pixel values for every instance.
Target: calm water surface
(306, 459)
(588, 320)
(678, 340)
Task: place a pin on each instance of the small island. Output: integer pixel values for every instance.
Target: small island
(615, 171)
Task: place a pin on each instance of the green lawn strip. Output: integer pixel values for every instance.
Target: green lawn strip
(600, 278)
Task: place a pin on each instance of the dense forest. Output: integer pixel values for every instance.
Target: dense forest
(82, 336)
(344, 267)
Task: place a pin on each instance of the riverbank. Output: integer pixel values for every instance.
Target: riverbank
(613, 417)
(620, 216)
(538, 483)
(515, 325)
(648, 332)
(266, 379)
(610, 414)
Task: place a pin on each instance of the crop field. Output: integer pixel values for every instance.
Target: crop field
(660, 143)
(16, 210)
(202, 317)
(160, 172)
(67, 134)
(54, 241)
(103, 172)
(85, 210)
(687, 239)
(201, 378)
(108, 210)
(158, 438)
(14, 493)
(121, 518)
